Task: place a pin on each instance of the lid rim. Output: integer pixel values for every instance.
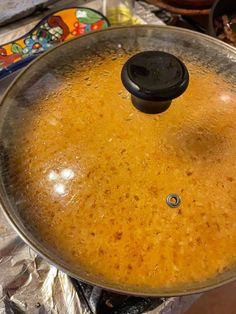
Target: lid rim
(25, 235)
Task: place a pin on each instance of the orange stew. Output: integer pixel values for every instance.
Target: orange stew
(94, 174)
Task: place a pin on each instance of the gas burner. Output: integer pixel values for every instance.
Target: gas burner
(99, 301)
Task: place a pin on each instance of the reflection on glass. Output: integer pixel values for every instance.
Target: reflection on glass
(52, 176)
(60, 180)
(67, 174)
(225, 97)
(59, 189)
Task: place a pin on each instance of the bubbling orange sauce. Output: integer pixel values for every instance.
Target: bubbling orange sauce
(94, 174)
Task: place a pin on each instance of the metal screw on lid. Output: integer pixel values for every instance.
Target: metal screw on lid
(154, 79)
(173, 200)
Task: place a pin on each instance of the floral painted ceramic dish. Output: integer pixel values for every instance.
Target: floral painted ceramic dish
(55, 28)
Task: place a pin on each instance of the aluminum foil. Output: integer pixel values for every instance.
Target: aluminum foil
(28, 284)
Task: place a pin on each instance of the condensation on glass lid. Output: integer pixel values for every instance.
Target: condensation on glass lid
(99, 172)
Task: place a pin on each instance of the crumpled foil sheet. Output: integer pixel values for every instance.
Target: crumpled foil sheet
(28, 284)
(14, 9)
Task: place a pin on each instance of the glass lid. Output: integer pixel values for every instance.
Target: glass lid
(118, 159)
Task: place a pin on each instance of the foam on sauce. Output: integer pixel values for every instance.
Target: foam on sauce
(93, 173)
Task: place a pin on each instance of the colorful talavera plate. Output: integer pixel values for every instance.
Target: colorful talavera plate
(55, 28)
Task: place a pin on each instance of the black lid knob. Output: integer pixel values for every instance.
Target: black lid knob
(154, 78)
